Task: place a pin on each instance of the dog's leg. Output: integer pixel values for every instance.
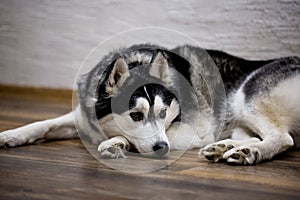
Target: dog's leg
(275, 139)
(114, 147)
(251, 150)
(274, 142)
(58, 128)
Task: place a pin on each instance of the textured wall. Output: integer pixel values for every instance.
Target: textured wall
(42, 42)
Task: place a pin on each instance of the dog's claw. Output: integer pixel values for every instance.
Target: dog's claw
(242, 155)
(214, 152)
(112, 152)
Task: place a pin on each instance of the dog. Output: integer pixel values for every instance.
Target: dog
(152, 100)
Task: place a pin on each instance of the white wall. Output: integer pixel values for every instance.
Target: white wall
(42, 42)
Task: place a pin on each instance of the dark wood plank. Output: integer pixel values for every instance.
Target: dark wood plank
(65, 170)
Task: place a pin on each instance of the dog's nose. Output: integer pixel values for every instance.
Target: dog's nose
(161, 148)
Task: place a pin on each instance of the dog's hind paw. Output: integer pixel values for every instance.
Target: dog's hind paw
(214, 152)
(243, 155)
(114, 147)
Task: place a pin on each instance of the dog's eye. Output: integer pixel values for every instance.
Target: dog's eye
(137, 116)
(163, 113)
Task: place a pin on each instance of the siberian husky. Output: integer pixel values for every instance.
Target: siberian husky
(136, 96)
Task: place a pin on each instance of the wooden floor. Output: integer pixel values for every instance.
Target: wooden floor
(65, 170)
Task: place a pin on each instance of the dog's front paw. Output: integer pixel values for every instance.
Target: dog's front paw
(11, 138)
(214, 152)
(243, 155)
(114, 147)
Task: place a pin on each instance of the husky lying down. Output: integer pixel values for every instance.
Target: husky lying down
(262, 109)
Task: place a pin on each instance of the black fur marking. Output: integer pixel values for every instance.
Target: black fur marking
(270, 75)
(153, 90)
(103, 104)
(140, 74)
(233, 69)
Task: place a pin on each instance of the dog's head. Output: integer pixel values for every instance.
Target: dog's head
(142, 102)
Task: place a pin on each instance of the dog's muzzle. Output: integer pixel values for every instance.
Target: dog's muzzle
(161, 148)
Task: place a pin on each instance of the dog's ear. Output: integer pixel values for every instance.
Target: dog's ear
(160, 68)
(117, 77)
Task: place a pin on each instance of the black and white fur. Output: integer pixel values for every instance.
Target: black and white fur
(262, 109)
